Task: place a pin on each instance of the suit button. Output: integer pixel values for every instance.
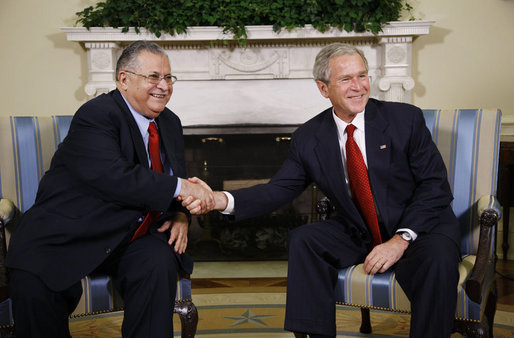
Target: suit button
(108, 250)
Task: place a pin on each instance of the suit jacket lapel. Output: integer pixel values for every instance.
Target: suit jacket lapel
(378, 153)
(135, 134)
(331, 163)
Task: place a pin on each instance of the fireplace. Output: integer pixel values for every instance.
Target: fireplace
(239, 107)
(232, 157)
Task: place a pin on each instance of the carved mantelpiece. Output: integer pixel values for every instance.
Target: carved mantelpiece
(268, 82)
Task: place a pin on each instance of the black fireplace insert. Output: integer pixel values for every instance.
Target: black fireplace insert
(231, 157)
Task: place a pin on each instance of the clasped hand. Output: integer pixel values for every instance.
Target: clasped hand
(196, 204)
(196, 191)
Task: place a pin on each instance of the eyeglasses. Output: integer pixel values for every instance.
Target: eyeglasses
(155, 79)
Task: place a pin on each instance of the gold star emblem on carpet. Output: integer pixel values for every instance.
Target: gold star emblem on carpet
(249, 317)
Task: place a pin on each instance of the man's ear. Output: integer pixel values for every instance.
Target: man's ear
(323, 88)
(122, 80)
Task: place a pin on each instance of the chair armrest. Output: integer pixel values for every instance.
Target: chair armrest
(7, 211)
(489, 213)
(8, 215)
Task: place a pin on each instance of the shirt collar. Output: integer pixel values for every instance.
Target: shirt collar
(358, 122)
(141, 121)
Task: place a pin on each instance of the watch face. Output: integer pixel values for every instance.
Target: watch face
(406, 236)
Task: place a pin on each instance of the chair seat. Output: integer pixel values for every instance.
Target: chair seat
(99, 295)
(382, 291)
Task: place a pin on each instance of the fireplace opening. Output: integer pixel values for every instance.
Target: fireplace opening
(232, 157)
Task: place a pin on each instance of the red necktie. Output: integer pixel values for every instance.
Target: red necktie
(359, 185)
(155, 158)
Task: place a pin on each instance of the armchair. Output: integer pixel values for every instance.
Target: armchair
(468, 140)
(27, 144)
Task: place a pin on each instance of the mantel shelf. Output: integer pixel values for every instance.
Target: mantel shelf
(265, 32)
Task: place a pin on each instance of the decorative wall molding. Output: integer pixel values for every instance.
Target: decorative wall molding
(507, 129)
(269, 81)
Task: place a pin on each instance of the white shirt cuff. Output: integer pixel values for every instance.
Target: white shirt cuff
(229, 210)
(412, 233)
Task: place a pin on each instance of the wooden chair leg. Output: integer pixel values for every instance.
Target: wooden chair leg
(483, 329)
(471, 329)
(490, 308)
(188, 318)
(366, 321)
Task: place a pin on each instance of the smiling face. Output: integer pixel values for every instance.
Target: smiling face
(147, 99)
(348, 86)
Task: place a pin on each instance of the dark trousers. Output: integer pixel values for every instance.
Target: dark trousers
(145, 274)
(427, 272)
(39, 311)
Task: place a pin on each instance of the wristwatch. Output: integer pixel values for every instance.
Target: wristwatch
(406, 236)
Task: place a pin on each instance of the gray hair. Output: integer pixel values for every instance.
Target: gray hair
(128, 58)
(321, 70)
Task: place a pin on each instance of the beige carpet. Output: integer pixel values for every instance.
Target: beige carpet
(262, 315)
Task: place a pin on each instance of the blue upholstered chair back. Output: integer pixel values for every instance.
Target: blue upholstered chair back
(468, 140)
(27, 144)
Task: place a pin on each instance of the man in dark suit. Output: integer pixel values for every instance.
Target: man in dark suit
(408, 203)
(109, 204)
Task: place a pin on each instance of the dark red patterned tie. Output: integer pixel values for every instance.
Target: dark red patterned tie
(155, 158)
(359, 185)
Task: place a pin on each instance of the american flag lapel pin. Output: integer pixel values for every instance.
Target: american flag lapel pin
(383, 146)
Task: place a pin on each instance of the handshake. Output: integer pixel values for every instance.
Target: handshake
(198, 197)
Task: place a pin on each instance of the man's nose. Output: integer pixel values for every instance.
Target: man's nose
(162, 84)
(355, 84)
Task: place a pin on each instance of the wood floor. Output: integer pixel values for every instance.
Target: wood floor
(504, 280)
(505, 285)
